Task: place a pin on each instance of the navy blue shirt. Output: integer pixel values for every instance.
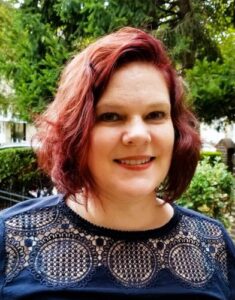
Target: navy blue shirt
(49, 252)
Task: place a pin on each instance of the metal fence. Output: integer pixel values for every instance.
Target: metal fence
(8, 199)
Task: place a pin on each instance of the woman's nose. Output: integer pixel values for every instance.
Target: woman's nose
(136, 133)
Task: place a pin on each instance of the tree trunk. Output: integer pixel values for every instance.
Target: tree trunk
(186, 11)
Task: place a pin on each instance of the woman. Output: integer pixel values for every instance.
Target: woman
(117, 135)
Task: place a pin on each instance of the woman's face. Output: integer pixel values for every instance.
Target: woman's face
(132, 141)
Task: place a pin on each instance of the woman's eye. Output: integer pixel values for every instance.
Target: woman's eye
(109, 117)
(156, 115)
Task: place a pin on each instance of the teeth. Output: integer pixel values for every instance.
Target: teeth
(134, 162)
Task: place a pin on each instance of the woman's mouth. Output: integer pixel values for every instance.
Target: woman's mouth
(135, 163)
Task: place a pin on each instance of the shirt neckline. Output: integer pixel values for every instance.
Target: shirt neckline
(80, 222)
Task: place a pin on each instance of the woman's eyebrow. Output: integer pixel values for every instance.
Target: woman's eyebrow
(114, 106)
(107, 106)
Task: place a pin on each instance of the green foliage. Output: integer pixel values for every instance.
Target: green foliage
(220, 14)
(211, 83)
(39, 36)
(8, 33)
(212, 90)
(211, 191)
(19, 172)
(95, 18)
(32, 58)
(211, 157)
(38, 67)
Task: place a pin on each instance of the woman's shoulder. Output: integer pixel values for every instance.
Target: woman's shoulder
(202, 225)
(197, 216)
(31, 206)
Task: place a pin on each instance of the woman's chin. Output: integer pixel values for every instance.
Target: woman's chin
(137, 191)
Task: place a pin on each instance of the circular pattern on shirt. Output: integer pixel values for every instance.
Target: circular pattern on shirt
(132, 263)
(33, 220)
(62, 260)
(202, 227)
(14, 259)
(191, 263)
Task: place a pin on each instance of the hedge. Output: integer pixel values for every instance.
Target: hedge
(211, 191)
(212, 156)
(19, 172)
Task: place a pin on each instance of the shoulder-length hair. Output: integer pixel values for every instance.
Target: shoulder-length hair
(64, 128)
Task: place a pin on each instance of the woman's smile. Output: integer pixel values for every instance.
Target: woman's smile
(137, 163)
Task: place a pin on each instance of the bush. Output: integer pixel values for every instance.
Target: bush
(19, 172)
(211, 191)
(211, 156)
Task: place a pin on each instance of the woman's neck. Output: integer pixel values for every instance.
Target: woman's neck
(124, 214)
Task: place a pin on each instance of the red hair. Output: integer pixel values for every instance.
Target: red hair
(64, 129)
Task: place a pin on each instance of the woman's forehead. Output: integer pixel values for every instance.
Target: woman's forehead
(138, 82)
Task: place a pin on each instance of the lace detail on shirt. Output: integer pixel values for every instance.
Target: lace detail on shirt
(134, 264)
(204, 228)
(61, 259)
(15, 258)
(33, 220)
(189, 262)
(60, 253)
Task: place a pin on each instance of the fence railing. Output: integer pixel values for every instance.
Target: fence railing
(8, 199)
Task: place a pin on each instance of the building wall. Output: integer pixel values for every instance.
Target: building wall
(6, 136)
(8, 132)
(30, 131)
(5, 132)
(2, 133)
(210, 133)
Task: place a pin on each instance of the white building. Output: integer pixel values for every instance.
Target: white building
(14, 130)
(210, 135)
